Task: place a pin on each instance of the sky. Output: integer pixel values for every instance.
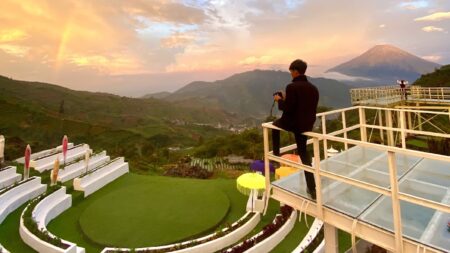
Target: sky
(142, 46)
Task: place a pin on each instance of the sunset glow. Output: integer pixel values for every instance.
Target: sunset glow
(83, 44)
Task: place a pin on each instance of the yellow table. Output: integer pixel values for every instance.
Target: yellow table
(284, 171)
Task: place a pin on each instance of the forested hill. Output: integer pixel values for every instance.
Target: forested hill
(140, 129)
(249, 94)
(438, 78)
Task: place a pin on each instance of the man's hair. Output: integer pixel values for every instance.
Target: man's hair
(299, 65)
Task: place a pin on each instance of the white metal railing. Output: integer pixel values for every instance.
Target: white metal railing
(392, 94)
(341, 136)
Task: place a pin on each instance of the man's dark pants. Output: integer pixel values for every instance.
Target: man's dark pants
(300, 139)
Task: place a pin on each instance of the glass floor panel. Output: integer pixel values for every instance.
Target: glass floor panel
(425, 178)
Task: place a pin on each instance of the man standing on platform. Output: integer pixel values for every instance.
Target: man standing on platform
(299, 106)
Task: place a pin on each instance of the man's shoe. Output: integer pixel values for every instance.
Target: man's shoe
(311, 193)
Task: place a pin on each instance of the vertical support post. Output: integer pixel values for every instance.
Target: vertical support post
(266, 167)
(362, 123)
(2, 150)
(402, 128)
(344, 126)
(324, 132)
(410, 125)
(380, 123)
(390, 134)
(317, 178)
(395, 202)
(419, 118)
(331, 238)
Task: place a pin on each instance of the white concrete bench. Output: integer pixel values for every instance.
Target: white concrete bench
(309, 237)
(46, 163)
(20, 194)
(43, 153)
(75, 170)
(209, 246)
(45, 211)
(101, 177)
(9, 176)
(3, 249)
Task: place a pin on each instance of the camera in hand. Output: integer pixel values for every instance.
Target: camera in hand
(279, 93)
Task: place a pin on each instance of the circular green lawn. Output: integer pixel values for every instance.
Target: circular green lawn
(156, 213)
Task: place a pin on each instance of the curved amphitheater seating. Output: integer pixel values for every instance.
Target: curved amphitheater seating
(17, 196)
(272, 241)
(8, 176)
(75, 170)
(46, 163)
(40, 154)
(46, 210)
(309, 237)
(209, 246)
(3, 250)
(101, 177)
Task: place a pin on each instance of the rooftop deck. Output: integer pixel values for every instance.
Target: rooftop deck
(391, 196)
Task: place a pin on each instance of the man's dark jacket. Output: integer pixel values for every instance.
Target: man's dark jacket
(299, 107)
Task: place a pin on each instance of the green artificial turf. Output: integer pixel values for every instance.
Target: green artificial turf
(154, 211)
(9, 233)
(67, 225)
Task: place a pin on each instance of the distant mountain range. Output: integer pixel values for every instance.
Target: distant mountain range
(384, 64)
(249, 94)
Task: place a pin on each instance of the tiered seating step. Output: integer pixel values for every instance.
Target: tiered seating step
(18, 195)
(9, 176)
(46, 163)
(43, 153)
(101, 176)
(76, 169)
(46, 210)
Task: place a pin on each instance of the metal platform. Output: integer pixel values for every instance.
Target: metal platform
(419, 177)
(389, 195)
(392, 95)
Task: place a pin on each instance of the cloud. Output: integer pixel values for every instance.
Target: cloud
(177, 40)
(382, 26)
(18, 51)
(414, 5)
(432, 29)
(438, 16)
(433, 58)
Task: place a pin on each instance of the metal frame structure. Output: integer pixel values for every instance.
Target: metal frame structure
(390, 95)
(394, 242)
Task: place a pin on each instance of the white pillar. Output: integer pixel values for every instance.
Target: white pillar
(331, 238)
(397, 217)
(2, 149)
(266, 167)
(389, 124)
(362, 121)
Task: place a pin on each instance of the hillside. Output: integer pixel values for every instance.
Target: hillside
(439, 78)
(250, 93)
(141, 129)
(385, 64)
